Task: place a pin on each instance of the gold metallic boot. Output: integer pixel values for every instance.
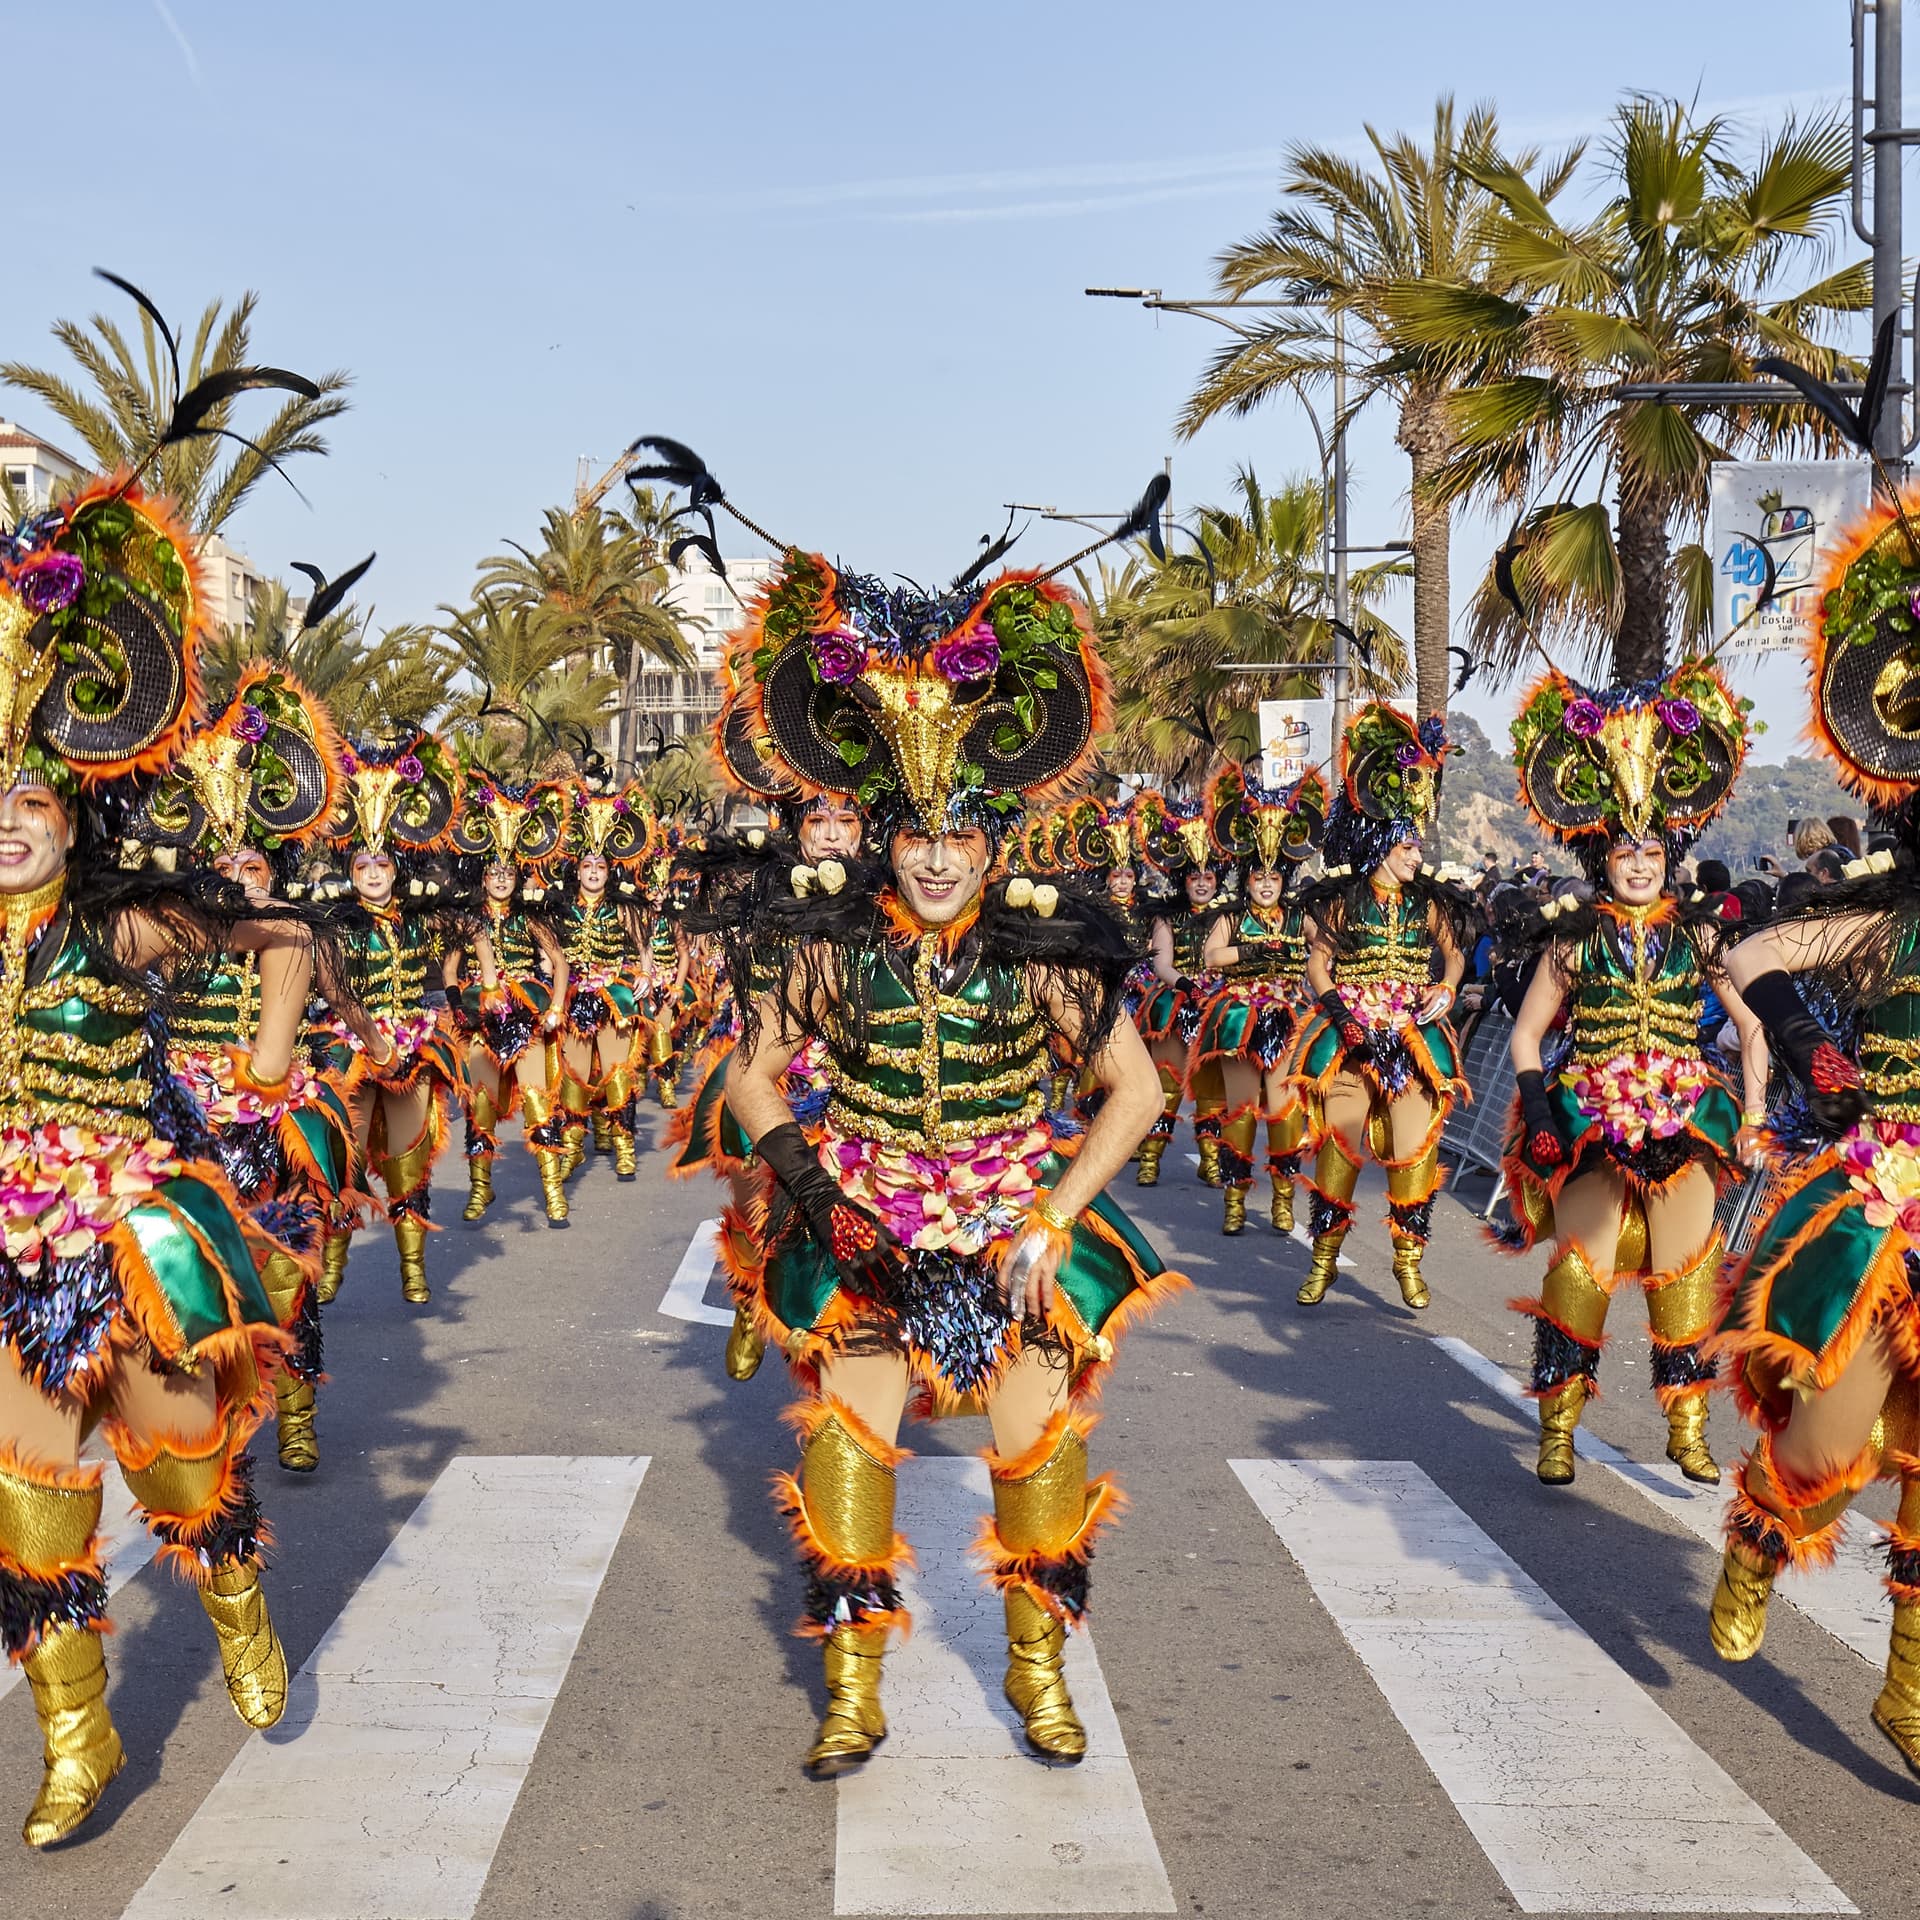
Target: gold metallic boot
(81, 1751)
(841, 1513)
(1560, 1413)
(1410, 1192)
(1680, 1314)
(745, 1347)
(574, 1101)
(1209, 1150)
(250, 1652)
(1237, 1136)
(602, 1132)
(1687, 1439)
(1737, 1620)
(405, 1176)
(1043, 1521)
(1281, 1212)
(1406, 1269)
(1154, 1146)
(1334, 1178)
(618, 1094)
(853, 1724)
(536, 1106)
(299, 1447)
(333, 1266)
(484, 1120)
(1152, 1149)
(1897, 1711)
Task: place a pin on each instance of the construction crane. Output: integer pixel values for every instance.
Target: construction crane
(588, 494)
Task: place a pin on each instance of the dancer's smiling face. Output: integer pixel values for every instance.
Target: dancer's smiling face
(36, 835)
(1636, 871)
(372, 875)
(940, 877)
(1263, 887)
(1402, 864)
(1121, 885)
(499, 879)
(1202, 884)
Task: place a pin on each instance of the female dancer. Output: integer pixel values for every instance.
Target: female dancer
(600, 928)
(1621, 1157)
(1376, 1061)
(933, 1234)
(1260, 957)
(1175, 842)
(129, 1284)
(1823, 1323)
(247, 792)
(510, 986)
(396, 1080)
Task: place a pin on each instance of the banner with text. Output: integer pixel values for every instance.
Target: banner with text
(1295, 735)
(1792, 511)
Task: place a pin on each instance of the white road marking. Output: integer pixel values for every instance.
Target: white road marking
(386, 1788)
(126, 1545)
(686, 1296)
(1584, 1796)
(1849, 1598)
(953, 1814)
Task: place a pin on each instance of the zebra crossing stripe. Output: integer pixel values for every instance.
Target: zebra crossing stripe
(686, 1295)
(952, 1814)
(1848, 1599)
(409, 1731)
(1584, 1796)
(126, 1547)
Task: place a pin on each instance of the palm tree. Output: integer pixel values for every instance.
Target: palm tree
(597, 579)
(1683, 275)
(370, 687)
(1250, 591)
(131, 398)
(1345, 241)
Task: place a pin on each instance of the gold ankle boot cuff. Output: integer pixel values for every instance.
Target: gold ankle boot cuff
(81, 1752)
(854, 1723)
(410, 1237)
(1036, 1682)
(251, 1656)
(297, 1443)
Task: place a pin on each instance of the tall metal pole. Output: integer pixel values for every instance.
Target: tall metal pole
(1888, 292)
(1341, 664)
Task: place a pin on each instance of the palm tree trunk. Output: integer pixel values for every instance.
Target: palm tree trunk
(1646, 579)
(1423, 437)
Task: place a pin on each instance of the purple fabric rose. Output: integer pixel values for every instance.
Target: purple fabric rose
(50, 582)
(1680, 717)
(972, 655)
(838, 655)
(620, 803)
(252, 724)
(1407, 755)
(487, 796)
(409, 769)
(349, 760)
(1583, 719)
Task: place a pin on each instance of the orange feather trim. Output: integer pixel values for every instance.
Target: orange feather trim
(1031, 1459)
(806, 1418)
(183, 1557)
(1006, 1569)
(816, 1554)
(1748, 1517)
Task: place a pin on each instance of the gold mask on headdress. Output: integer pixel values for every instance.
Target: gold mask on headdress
(1627, 739)
(923, 728)
(1193, 836)
(1269, 826)
(216, 763)
(374, 794)
(25, 671)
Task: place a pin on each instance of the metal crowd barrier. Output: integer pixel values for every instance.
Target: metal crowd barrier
(1475, 1135)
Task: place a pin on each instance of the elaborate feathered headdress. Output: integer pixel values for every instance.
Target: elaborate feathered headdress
(403, 797)
(520, 825)
(264, 774)
(1269, 830)
(1390, 772)
(619, 824)
(1172, 834)
(1656, 760)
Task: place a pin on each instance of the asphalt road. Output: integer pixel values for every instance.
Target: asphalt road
(1334, 1691)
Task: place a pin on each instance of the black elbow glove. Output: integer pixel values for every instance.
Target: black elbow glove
(1836, 1098)
(1354, 1035)
(856, 1240)
(1542, 1145)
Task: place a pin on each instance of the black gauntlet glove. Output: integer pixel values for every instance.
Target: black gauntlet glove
(1835, 1096)
(856, 1240)
(1542, 1145)
(1354, 1034)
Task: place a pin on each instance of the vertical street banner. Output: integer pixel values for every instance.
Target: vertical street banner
(1294, 735)
(1792, 511)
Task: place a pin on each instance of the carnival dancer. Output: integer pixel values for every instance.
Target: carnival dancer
(129, 1283)
(1259, 955)
(599, 924)
(667, 988)
(826, 836)
(1624, 1134)
(245, 795)
(1376, 1061)
(1175, 841)
(1823, 1322)
(933, 1234)
(399, 804)
(510, 984)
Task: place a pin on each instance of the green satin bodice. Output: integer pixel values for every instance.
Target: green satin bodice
(514, 950)
(221, 1008)
(1190, 929)
(1890, 1046)
(937, 1062)
(387, 965)
(1390, 942)
(596, 938)
(1637, 988)
(1262, 948)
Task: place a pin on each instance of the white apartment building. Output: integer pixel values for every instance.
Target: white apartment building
(33, 467)
(683, 701)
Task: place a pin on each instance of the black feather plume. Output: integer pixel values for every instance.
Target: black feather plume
(1469, 666)
(1826, 402)
(1144, 516)
(200, 399)
(991, 550)
(703, 544)
(678, 466)
(1503, 579)
(327, 596)
(153, 313)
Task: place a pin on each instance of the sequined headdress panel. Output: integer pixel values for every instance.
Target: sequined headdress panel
(520, 825)
(401, 797)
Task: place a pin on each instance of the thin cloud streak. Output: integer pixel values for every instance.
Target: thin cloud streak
(180, 39)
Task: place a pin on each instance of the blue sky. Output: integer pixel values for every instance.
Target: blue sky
(839, 248)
